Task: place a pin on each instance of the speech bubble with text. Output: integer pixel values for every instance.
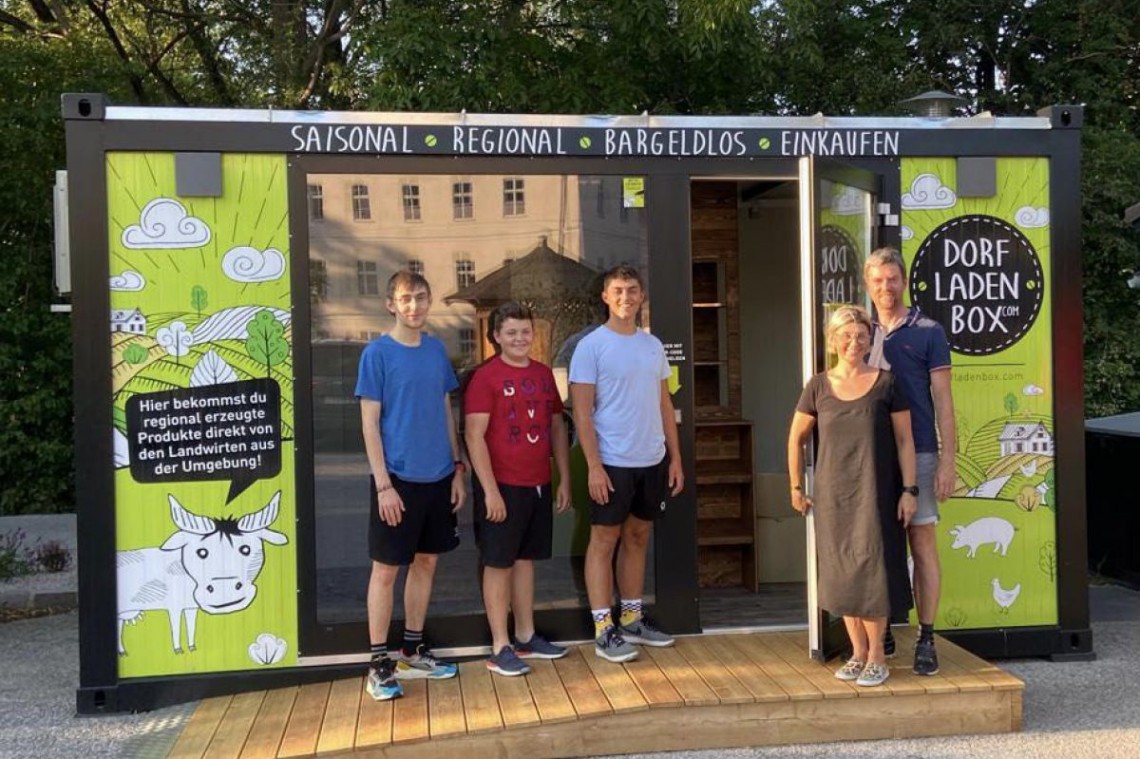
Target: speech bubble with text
(229, 432)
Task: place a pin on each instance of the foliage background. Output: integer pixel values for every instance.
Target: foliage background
(781, 57)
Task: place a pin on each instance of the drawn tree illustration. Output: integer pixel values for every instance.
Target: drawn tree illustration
(961, 431)
(1028, 499)
(266, 341)
(1048, 498)
(134, 354)
(1011, 403)
(955, 617)
(1047, 560)
(176, 339)
(198, 299)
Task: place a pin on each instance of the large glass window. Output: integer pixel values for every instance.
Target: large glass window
(410, 201)
(316, 202)
(550, 259)
(361, 205)
(514, 197)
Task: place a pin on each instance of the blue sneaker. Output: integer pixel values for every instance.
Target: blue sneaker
(423, 665)
(382, 684)
(507, 663)
(538, 647)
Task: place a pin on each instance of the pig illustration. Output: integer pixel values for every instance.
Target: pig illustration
(981, 531)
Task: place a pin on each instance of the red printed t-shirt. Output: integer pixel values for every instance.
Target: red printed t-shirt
(521, 402)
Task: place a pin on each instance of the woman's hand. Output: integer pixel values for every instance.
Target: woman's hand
(801, 502)
(908, 505)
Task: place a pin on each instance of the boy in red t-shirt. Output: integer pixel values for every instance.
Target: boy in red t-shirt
(513, 424)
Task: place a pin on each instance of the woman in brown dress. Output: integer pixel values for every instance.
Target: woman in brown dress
(863, 492)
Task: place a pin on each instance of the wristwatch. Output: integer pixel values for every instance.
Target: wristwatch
(912, 489)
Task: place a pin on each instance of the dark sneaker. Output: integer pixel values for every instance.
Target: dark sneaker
(382, 684)
(889, 643)
(643, 631)
(611, 646)
(925, 659)
(872, 675)
(850, 671)
(423, 664)
(507, 663)
(538, 647)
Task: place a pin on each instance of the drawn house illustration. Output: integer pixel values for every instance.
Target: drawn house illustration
(1030, 437)
(131, 321)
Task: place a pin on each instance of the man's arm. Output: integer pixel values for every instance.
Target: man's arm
(390, 506)
(475, 433)
(458, 482)
(672, 441)
(560, 443)
(946, 476)
(600, 487)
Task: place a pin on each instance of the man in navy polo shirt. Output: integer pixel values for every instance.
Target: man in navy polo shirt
(914, 348)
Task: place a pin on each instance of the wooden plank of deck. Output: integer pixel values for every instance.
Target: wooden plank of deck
(792, 648)
(445, 708)
(750, 675)
(651, 681)
(515, 703)
(933, 684)
(269, 725)
(977, 667)
(338, 730)
(234, 728)
(584, 692)
(549, 695)
(200, 728)
(304, 726)
(374, 723)
(480, 705)
(726, 687)
(783, 674)
(410, 713)
(688, 684)
(620, 690)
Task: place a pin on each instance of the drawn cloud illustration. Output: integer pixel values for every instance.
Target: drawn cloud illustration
(129, 281)
(1031, 218)
(267, 649)
(164, 223)
(1032, 390)
(906, 233)
(246, 264)
(850, 202)
(927, 192)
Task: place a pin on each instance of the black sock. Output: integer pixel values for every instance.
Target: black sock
(378, 652)
(926, 633)
(412, 640)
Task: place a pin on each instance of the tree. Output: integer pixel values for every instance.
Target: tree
(266, 342)
(198, 299)
(1010, 404)
(176, 339)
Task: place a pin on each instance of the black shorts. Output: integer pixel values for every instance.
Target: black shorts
(429, 525)
(638, 491)
(527, 531)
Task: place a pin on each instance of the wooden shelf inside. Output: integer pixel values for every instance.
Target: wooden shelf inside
(725, 472)
(724, 532)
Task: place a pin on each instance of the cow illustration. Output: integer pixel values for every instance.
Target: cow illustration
(208, 564)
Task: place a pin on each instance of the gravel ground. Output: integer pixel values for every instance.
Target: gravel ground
(1072, 711)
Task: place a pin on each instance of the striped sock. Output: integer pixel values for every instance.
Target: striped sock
(603, 620)
(378, 652)
(412, 640)
(630, 611)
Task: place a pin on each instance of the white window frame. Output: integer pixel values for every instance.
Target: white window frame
(361, 203)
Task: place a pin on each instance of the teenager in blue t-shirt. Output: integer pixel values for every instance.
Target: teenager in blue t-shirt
(417, 478)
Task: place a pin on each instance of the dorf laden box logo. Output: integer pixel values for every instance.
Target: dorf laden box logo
(981, 279)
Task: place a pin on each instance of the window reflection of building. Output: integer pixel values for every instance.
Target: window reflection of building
(316, 202)
(462, 201)
(352, 262)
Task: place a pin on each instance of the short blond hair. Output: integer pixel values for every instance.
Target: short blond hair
(844, 315)
(885, 257)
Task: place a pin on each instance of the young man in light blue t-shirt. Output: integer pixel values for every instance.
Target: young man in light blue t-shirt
(628, 432)
(418, 479)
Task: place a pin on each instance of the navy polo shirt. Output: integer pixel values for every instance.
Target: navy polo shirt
(911, 352)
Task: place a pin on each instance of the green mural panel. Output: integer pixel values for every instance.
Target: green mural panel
(981, 266)
(203, 418)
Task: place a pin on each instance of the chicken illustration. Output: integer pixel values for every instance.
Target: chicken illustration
(1005, 598)
(1029, 469)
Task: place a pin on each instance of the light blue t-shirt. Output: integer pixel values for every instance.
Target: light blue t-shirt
(626, 372)
(410, 384)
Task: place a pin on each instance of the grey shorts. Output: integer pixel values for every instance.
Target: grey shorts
(927, 466)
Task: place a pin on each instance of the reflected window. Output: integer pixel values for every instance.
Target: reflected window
(467, 343)
(464, 273)
(514, 197)
(361, 205)
(316, 202)
(318, 280)
(416, 266)
(367, 278)
(462, 201)
(410, 195)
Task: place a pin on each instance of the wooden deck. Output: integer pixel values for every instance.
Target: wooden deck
(707, 692)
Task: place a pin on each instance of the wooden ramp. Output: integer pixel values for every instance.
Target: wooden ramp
(707, 692)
